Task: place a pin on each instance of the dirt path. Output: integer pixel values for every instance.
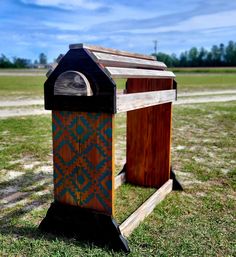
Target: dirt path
(204, 93)
(183, 98)
(206, 99)
(21, 102)
(22, 112)
(19, 73)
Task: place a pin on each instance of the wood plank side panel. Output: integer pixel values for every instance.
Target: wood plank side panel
(124, 61)
(117, 72)
(83, 161)
(129, 102)
(148, 137)
(111, 51)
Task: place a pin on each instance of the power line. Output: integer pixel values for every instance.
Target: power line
(155, 46)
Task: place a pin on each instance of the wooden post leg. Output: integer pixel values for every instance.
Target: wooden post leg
(83, 160)
(83, 156)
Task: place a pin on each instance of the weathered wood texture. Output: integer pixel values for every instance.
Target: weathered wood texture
(83, 160)
(148, 137)
(113, 60)
(128, 102)
(119, 180)
(117, 72)
(111, 51)
(145, 209)
(72, 83)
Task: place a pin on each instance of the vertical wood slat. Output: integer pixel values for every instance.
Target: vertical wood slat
(148, 137)
(83, 158)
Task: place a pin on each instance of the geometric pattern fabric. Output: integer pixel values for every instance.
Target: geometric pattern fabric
(82, 159)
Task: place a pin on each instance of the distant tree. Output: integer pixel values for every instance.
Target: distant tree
(193, 57)
(202, 56)
(42, 59)
(183, 59)
(222, 53)
(216, 55)
(209, 59)
(5, 62)
(230, 54)
(21, 62)
(175, 60)
(162, 57)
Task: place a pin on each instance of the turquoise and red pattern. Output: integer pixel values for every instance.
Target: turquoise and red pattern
(82, 156)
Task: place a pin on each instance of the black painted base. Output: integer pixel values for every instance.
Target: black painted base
(176, 184)
(85, 225)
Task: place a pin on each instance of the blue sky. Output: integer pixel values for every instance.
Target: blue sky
(29, 27)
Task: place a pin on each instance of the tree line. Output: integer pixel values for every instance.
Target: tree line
(218, 56)
(17, 62)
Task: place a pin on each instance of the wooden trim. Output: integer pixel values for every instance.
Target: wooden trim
(111, 51)
(117, 72)
(128, 102)
(119, 180)
(124, 61)
(145, 209)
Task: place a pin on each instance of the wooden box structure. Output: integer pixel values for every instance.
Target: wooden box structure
(81, 93)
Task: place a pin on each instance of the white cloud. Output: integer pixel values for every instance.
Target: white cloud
(66, 4)
(201, 22)
(102, 21)
(70, 38)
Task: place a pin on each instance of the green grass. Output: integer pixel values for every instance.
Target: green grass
(21, 86)
(198, 82)
(24, 137)
(12, 87)
(205, 70)
(197, 222)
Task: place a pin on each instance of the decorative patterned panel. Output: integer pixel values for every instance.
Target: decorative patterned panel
(82, 153)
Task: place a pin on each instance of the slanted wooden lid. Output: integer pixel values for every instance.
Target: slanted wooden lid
(121, 64)
(110, 51)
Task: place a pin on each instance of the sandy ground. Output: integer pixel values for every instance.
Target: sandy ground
(204, 93)
(22, 112)
(206, 99)
(23, 72)
(21, 102)
(183, 98)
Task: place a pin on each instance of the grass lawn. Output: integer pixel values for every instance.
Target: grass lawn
(205, 70)
(205, 81)
(12, 87)
(21, 87)
(201, 221)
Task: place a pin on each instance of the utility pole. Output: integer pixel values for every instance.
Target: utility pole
(155, 46)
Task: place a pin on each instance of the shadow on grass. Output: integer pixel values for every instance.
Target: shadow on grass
(24, 207)
(21, 196)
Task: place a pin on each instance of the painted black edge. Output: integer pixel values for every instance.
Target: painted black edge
(176, 89)
(176, 184)
(84, 225)
(103, 87)
(123, 169)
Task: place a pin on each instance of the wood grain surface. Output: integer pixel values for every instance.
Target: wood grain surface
(117, 72)
(129, 102)
(83, 159)
(149, 137)
(111, 51)
(113, 60)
